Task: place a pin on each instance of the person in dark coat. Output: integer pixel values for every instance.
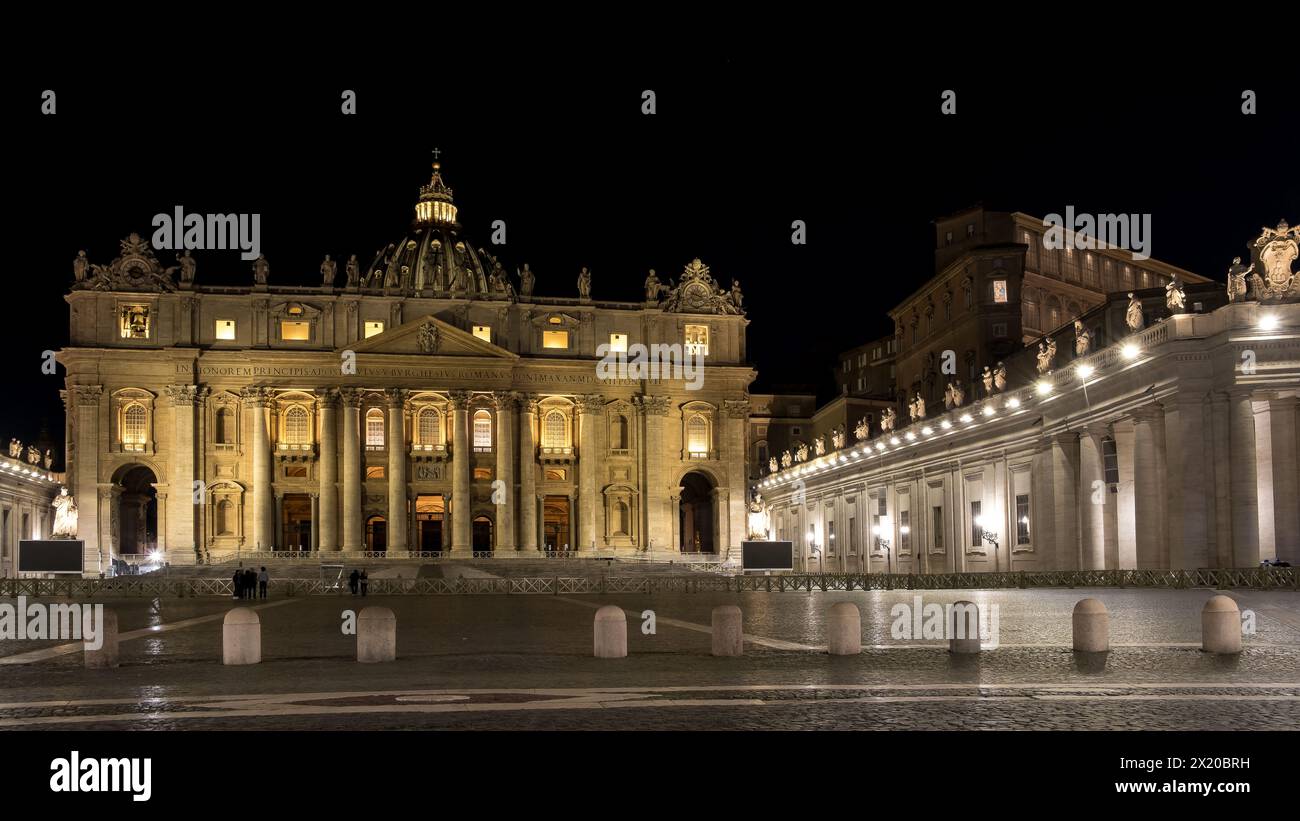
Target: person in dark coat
(250, 583)
(263, 579)
(354, 580)
(237, 581)
(365, 582)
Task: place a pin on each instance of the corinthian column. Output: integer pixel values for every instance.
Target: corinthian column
(257, 399)
(398, 518)
(462, 535)
(505, 403)
(1243, 480)
(182, 505)
(590, 411)
(85, 469)
(327, 404)
(735, 422)
(654, 409)
(1187, 533)
(527, 473)
(1094, 497)
(353, 536)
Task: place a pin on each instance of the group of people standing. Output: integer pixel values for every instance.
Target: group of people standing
(249, 583)
(358, 580)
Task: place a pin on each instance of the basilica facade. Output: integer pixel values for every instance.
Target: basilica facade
(426, 402)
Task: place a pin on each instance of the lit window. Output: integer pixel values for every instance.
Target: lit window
(555, 339)
(999, 290)
(135, 322)
(1022, 518)
(618, 343)
(697, 434)
(225, 329)
(133, 424)
(555, 320)
(374, 428)
(430, 428)
(295, 330)
(976, 529)
(483, 332)
(482, 429)
(373, 329)
(295, 426)
(555, 430)
(697, 340)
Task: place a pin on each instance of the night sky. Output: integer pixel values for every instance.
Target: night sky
(736, 151)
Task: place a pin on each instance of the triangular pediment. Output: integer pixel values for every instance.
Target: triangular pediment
(430, 336)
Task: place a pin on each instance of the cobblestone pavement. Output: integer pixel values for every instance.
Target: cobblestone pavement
(525, 663)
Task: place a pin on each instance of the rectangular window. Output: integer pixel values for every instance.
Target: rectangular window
(904, 531)
(618, 343)
(881, 509)
(483, 332)
(225, 329)
(1110, 459)
(375, 472)
(295, 330)
(936, 527)
(976, 531)
(999, 330)
(555, 339)
(1022, 518)
(830, 538)
(373, 328)
(853, 535)
(999, 290)
(697, 340)
(846, 365)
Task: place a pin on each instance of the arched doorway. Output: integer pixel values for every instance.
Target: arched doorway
(376, 534)
(137, 510)
(695, 513)
(482, 534)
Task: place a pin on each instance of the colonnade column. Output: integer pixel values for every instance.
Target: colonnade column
(590, 411)
(327, 403)
(528, 407)
(353, 530)
(1093, 498)
(1243, 479)
(1148, 490)
(462, 535)
(1188, 521)
(398, 517)
(257, 400)
(1126, 513)
(505, 403)
(85, 465)
(1065, 464)
(655, 409)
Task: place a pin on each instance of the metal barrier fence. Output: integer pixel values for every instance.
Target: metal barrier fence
(132, 586)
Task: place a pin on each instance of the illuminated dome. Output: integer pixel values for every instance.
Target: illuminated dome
(435, 258)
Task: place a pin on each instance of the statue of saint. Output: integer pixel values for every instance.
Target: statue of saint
(65, 516)
(1133, 316)
(987, 379)
(428, 338)
(584, 284)
(328, 269)
(48, 459)
(819, 446)
(33, 455)
(760, 521)
(771, 465)
(352, 271)
(916, 408)
(801, 454)
(80, 265)
(526, 281)
(261, 270)
(1237, 274)
(786, 459)
(1082, 339)
(652, 287)
(1046, 353)
(887, 419)
(837, 438)
(1175, 296)
(15, 448)
(862, 429)
(1000, 377)
(736, 296)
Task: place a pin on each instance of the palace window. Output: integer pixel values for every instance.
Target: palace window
(296, 428)
(976, 531)
(853, 535)
(697, 340)
(1022, 518)
(558, 340)
(697, 434)
(555, 430)
(429, 428)
(295, 330)
(134, 420)
(225, 426)
(936, 527)
(483, 332)
(225, 329)
(482, 430)
(904, 531)
(372, 328)
(135, 322)
(999, 290)
(619, 433)
(374, 429)
(830, 537)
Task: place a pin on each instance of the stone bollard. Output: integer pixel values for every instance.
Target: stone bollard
(376, 635)
(106, 655)
(844, 632)
(241, 637)
(1220, 626)
(611, 633)
(728, 631)
(1091, 627)
(964, 628)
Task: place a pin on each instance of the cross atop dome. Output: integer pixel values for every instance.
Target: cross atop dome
(435, 203)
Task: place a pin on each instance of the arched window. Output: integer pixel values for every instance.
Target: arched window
(619, 434)
(430, 427)
(374, 428)
(134, 418)
(295, 426)
(555, 430)
(225, 426)
(225, 518)
(482, 429)
(697, 434)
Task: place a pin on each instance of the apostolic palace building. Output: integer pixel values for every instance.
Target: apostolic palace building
(426, 402)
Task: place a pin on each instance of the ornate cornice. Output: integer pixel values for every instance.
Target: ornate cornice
(591, 403)
(505, 400)
(327, 398)
(256, 397)
(350, 397)
(181, 394)
(736, 408)
(459, 399)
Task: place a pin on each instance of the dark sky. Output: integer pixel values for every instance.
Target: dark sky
(736, 151)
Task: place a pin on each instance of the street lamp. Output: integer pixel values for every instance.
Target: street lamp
(991, 537)
(881, 531)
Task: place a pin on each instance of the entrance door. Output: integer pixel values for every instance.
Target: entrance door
(295, 513)
(555, 523)
(696, 514)
(376, 534)
(482, 534)
(429, 514)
